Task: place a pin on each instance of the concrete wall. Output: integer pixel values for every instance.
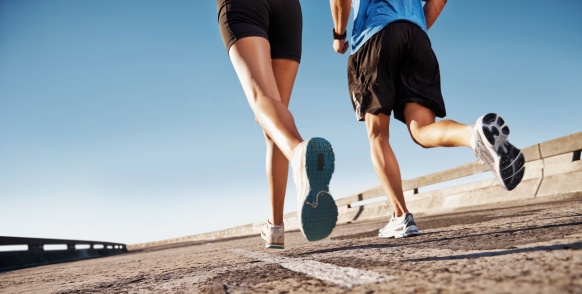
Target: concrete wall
(553, 169)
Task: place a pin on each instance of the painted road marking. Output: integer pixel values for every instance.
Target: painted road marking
(343, 276)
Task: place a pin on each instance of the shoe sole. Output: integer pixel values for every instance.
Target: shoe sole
(319, 211)
(509, 166)
(271, 245)
(412, 231)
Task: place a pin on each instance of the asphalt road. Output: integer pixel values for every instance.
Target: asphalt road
(523, 249)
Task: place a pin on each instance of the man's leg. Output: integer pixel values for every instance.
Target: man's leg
(384, 160)
(402, 223)
(487, 137)
(428, 133)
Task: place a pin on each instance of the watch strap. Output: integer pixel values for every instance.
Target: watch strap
(339, 37)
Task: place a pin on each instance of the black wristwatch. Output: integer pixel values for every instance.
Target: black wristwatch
(339, 37)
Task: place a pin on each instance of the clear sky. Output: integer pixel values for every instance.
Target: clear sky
(124, 120)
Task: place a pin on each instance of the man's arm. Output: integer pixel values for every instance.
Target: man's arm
(432, 9)
(340, 11)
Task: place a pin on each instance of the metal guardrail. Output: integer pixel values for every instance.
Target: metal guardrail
(36, 254)
(38, 243)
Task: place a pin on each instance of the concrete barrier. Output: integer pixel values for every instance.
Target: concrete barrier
(36, 252)
(553, 169)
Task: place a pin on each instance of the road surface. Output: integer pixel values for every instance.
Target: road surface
(523, 249)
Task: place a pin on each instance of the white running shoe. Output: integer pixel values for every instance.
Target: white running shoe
(313, 164)
(399, 227)
(491, 147)
(273, 235)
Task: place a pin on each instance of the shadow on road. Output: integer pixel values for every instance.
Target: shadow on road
(337, 249)
(566, 216)
(576, 245)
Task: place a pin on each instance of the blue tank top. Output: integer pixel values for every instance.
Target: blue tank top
(370, 16)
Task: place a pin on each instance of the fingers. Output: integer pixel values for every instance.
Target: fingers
(346, 46)
(340, 46)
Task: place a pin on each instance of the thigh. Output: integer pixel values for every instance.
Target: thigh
(251, 58)
(242, 18)
(417, 115)
(285, 29)
(285, 71)
(420, 75)
(377, 125)
(370, 75)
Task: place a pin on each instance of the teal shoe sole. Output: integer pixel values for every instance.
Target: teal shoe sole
(319, 212)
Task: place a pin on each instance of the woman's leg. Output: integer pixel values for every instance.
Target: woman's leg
(285, 71)
(251, 58)
(267, 84)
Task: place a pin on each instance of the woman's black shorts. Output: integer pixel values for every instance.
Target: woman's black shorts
(279, 21)
(394, 67)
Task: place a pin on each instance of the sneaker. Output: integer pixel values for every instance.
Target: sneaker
(313, 163)
(399, 227)
(273, 235)
(491, 147)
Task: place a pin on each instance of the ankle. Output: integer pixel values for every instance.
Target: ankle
(400, 213)
(271, 223)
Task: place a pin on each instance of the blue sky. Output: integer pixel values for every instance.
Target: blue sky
(124, 120)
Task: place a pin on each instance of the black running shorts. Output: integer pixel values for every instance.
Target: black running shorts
(394, 67)
(279, 21)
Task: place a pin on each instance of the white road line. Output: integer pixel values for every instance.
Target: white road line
(343, 276)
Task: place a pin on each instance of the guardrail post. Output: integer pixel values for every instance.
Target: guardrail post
(35, 248)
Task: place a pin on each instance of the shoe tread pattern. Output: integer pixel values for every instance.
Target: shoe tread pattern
(511, 160)
(319, 212)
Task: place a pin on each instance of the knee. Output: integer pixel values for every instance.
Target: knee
(258, 98)
(416, 135)
(378, 129)
(378, 134)
(259, 105)
(378, 142)
(421, 136)
(254, 100)
(379, 150)
(270, 143)
(379, 139)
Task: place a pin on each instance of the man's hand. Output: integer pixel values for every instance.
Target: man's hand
(340, 46)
